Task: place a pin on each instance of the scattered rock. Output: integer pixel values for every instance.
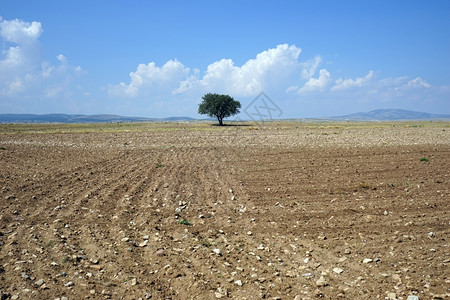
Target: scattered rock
(367, 260)
(217, 251)
(412, 297)
(321, 281)
(238, 282)
(318, 293)
(392, 296)
(95, 267)
(94, 261)
(39, 282)
(338, 270)
(69, 284)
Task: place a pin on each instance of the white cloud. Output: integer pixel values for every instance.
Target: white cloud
(343, 84)
(268, 69)
(317, 85)
(23, 70)
(152, 80)
(25, 54)
(418, 83)
(276, 71)
(310, 67)
(20, 32)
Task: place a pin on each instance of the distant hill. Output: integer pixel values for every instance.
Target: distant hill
(63, 118)
(391, 115)
(374, 115)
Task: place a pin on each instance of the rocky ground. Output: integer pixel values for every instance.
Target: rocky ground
(194, 211)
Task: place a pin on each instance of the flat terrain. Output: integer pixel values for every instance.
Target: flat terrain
(194, 211)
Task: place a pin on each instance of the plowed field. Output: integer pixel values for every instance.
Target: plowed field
(195, 211)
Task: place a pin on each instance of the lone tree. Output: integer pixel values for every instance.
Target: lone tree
(219, 106)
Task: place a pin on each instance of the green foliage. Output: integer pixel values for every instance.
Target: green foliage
(219, 106)
(184, 222)
(424, 159)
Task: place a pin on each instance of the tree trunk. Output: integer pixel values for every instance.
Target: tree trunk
(220, 121)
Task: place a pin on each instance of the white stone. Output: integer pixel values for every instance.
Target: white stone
(321, 281)
(143, 244)
(39, 282)
(392, 296)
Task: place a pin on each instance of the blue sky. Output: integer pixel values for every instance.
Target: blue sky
(157, 59)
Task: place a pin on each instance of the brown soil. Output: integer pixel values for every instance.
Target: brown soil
(278, 211)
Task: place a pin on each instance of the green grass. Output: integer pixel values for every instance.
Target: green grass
(184, 222)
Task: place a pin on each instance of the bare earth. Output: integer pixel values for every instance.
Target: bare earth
(194, 211)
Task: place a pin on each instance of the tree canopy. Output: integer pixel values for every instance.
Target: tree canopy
(219, 106)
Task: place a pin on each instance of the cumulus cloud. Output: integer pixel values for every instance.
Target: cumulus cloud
(152, 80)
(268, 69)
(277, 71)
(316, 85)
(309, 67)
(22, 65)
(343, 84)
(24, 55)
(20, 32)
